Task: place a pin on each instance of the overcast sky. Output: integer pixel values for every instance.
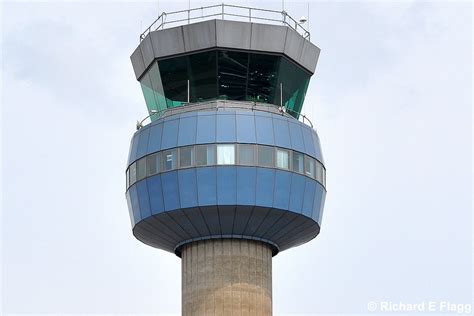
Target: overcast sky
(391, 100)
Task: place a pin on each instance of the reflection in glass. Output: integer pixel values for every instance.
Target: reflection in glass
(282, 158)
(168, 160)
(265, 156)
(225, 154)
(224, 74)
(263, 78)
(232, 74)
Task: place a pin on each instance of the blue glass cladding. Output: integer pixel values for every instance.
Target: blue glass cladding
(130, 210)
(206, 129)
(264, 191)
(154, 141)
(318, 203)
(308, 141)
(296, 137)
(142, 148)
(169, 183)
(135, 204)
(133, 148)
(226, 128)
(207, 189)
(282, 133)
(297, 192)
(226, 185)
(187, 131)
(242, 127)
(264, 129)
(308, 200)
(282, 190)
(246, 184)
(170, 134)
(156, 194)
(245, 128)
(143, 199)
(187, 188)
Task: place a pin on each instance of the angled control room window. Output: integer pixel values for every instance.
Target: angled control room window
(232, 74)
(294, 81)
(225, 74)
(202, 76)
(263, 78)
(174, 76)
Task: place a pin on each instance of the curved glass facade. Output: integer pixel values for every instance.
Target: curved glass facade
(225, 154)
(227, 75)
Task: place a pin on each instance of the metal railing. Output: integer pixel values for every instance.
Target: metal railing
(222, 104)
(223, 11)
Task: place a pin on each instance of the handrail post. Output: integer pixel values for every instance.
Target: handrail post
(188, 90)
(222, 11)
(250, 14)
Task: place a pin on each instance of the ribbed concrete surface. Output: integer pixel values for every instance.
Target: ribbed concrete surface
(227, 277)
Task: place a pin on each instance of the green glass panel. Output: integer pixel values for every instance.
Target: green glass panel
(263, 78)
(294, 81)
(148, 93)
(157, 86)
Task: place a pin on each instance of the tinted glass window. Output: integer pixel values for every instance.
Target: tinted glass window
(282, 158)
(152, 164)
(168, 160)
(141, 169)
(247, 155)
(225, 154)
(294, 81)
(265, 156)
(205, 155)
(232, 75)
(309, 167)
(262, 78)
(174, 76)
(133, 173)
(298, 162)
(148, 93)
(186, 158)
(203, 76)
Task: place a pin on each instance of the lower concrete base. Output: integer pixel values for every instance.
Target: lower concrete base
(227, 277)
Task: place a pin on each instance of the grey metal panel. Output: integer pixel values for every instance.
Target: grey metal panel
(183, 220)
(269, 38)
(199, 35)
(137, 62)
(294, 45)
(241, 219)
(233, 34)
(147, 51)
(194, 215)
(309, 56)
(168, 42)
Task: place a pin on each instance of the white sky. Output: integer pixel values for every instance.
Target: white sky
(391, 100)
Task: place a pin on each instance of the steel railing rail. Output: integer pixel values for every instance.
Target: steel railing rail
(280, 17)
(216, 104)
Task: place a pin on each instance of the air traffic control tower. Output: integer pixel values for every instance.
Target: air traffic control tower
(228, 173)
